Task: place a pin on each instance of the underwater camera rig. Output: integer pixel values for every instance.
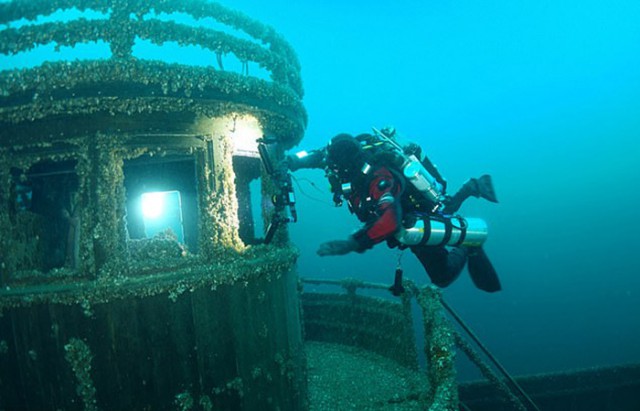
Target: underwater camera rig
(284, 198)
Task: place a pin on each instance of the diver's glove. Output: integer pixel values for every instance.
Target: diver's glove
(338, 247)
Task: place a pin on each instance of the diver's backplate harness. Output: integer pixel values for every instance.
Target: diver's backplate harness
(427, 221)
(404, 159)
(426, 218)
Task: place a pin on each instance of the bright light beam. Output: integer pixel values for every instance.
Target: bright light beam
(153, 204)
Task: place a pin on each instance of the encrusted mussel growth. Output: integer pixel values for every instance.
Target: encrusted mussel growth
(75, 135)
(131, 203)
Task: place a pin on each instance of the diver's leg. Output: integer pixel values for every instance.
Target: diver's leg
(441, 264)
(481, 270)
(476, 187)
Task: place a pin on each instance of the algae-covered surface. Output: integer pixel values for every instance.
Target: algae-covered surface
(169, 275)
(348, 378)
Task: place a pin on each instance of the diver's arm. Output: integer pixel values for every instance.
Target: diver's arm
(338, 247)
(389, 214)
(385, 190)
(304, 159)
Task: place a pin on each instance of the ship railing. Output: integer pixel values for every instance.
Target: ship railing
(374, 324)
(385, 326)
(27, 24)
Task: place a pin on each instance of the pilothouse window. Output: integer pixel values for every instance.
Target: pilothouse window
(162, 211)
(162, 199)
(46, 214)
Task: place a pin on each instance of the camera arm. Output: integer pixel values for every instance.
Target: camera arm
(284, 198)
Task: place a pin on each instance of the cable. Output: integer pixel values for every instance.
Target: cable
(312, 184)
(488, 354)
(489, 374)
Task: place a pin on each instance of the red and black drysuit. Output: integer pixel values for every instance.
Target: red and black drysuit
(376, 200)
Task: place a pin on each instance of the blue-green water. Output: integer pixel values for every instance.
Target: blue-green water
(543, 96)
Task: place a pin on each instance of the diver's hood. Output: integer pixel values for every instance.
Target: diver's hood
(344, 155)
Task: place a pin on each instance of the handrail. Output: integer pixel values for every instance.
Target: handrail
(129, 19)
(439, 342)
(125, 82)
(431, 301)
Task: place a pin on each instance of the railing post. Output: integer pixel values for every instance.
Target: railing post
(5, 223)
(440, 352)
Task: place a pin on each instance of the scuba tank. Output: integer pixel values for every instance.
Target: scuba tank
(419, 177)
(415, 172)
(438, 230)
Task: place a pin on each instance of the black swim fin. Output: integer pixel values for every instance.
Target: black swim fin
(485, 188)
(481, 270)
(476, 187)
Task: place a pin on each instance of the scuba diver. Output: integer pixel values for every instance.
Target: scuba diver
(401, 198)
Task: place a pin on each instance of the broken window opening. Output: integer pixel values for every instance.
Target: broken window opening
(249, 195)
(45, 211)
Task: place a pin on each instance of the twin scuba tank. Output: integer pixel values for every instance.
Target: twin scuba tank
(439, 230)
(433, 228)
